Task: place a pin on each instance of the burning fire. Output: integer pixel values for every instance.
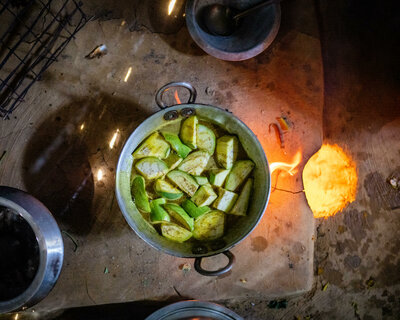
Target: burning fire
(178, 101)
(288, 167)
(330, 181)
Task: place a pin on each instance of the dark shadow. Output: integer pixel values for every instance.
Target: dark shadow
(172, 28)
(120, 311)
(183, 42)
(163, 21)
(296, 15)
(151, 16)
(360, 52)
(56, 163)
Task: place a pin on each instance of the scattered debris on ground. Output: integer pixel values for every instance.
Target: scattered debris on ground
(97, 52)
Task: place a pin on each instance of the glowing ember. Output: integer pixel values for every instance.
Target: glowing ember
(330, 181)
(128, 74)
(99, 175)
(178, 101)
(113, 139)
(171, 6)
(82, 126)
(288, 167)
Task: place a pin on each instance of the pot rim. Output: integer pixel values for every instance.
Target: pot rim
(197, 35)
(47, 233)
(121, 200)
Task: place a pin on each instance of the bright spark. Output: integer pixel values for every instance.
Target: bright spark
(171, 6)
(82, 126)
(128, 74)
(16, 316)
(113, 139)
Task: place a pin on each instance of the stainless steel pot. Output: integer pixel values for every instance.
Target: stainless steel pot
(51, 247)
(234, 234)
(192, 310)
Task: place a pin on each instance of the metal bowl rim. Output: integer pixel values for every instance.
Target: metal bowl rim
(27, 298)
(198, 305)
(225, 55)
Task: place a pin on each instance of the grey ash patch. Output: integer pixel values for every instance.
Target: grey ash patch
(356, 222)
(352, 262)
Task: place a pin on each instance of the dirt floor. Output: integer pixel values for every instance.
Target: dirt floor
(356, 260)
(356, 267)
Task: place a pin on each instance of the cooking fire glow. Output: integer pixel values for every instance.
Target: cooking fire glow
(330, 181)
(288, 167)
(178, 101)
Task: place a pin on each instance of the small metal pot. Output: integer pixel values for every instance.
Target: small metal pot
(192, 310)
(234, 234)
(50, 243)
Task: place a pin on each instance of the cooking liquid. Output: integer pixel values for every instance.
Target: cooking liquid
(19, 254)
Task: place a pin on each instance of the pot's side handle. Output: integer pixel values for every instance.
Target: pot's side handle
(161, 104)
(199, 269)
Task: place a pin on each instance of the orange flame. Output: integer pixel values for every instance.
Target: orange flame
(330, 181)
(178, 101)
(288, 167)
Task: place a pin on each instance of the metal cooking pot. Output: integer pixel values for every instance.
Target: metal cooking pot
(250, 143)
(194, 310)
(50, 247)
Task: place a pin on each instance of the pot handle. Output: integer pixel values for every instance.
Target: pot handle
(199, 269)
(161, 104)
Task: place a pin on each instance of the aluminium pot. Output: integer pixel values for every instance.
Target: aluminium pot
(192, 310)
(234, 234)
(50, 248)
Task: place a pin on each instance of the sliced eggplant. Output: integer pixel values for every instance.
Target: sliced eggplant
(238, 174)
(158, 213)
(218, 176)
(172, 161)
(151, 168)
(183, 181)
(174, 232)
(225, 201)
(205, 139)
(167, 190)
(227, 150)
(195, 163)
(180, 215)
(242, 203)
(211, 164)
(153, 146)
(188, 132)
(201, 180)
(177, 144)
(209, 226)
(139, 193)
(204, 196)
(193, 210)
